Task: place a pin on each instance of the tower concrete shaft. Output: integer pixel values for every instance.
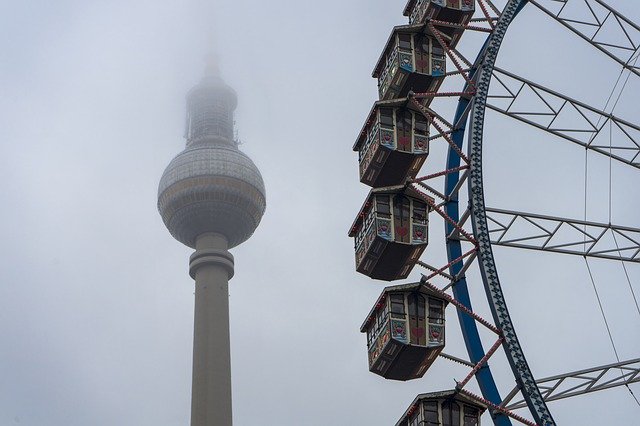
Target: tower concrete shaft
(211, 265)
(211, 198)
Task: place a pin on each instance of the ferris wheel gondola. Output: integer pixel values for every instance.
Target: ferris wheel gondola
(407, 88)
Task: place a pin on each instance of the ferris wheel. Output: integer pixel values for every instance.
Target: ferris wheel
(420, 106)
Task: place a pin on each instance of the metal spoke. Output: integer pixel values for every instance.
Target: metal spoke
(553, 112)
(560, 235)
(582, 382)
(599, 24)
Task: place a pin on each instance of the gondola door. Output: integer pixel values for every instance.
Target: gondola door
(417, 304)
(436, 322)
(401, 219)
(450, 413)
(404, 129)
(422, 53)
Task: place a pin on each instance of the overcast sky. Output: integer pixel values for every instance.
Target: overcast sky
(96, 305)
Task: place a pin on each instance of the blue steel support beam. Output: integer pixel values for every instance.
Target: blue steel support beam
(521, 371)
(454, 251)
(513, 350)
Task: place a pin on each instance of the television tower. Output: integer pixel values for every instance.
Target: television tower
(211, 198)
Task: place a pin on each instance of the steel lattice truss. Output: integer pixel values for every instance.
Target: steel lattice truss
(560, 235)
(559, 115)
(599, 24)
(562, 116)
(581, 382)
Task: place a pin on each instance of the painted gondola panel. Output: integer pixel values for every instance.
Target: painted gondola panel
(391, 236)
(395, 146)
(446, 408)
(405, 333)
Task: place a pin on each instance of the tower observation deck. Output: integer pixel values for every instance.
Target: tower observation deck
(211, 186)
(211, 198)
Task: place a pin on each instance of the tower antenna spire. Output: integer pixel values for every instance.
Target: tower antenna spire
(211, 65)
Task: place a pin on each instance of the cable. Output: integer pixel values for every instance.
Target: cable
(610, 166)
(606, 323)
(604, 317)
(625, 82)
(615, 104)
(624, 267)
(610, 207)
(626, 273)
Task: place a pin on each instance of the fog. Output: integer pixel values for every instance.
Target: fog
(96, 305)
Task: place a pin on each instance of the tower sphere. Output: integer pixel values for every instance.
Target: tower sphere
(211, 186)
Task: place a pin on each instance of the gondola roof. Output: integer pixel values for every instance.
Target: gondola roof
(400, 287)
(395, 189)
(391, 103)
(414, 28)
(439, 395)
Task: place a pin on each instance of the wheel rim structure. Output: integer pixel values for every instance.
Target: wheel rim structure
(482, 72)
(460, 169)
(486, 261)
(522, 373)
